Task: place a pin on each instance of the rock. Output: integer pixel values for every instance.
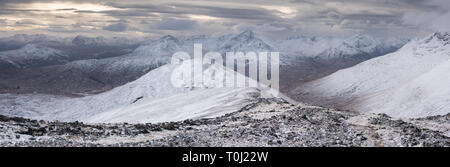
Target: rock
(285, 125)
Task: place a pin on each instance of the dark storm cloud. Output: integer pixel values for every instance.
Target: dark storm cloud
(3, 2)
(386, 3)
(66, 9)
(233, 13)
(333, 16)
(185, 9)
(19, 11)
(119, 13)
(28, 22)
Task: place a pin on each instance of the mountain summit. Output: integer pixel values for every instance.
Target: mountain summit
(245, 42)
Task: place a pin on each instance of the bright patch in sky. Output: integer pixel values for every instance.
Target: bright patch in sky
(283, 11)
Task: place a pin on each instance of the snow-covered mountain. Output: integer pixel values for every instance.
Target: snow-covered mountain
(356, 47)
(96, 74)
(411, 82)
(140, 61)
(102, 68)
(100, 41)
(245, 42)
(25, 38)
(308, 58)
(19, 40)
(151, 98)
(31, 55)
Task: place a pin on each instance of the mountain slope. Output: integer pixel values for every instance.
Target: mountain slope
(31, 55)
(94, 75)
(151, 98)
(408, 83)
(308, 58)
(20, 40)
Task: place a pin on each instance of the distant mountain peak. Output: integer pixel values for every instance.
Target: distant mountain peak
(85, 41)
(246, 41)
(440, 36)
(168, 40)
(29, 36)
(168, 37)
(361, 41)
(248, 34)
(31, 46)
(360, 37)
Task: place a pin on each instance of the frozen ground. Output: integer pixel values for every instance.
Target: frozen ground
(268, 122)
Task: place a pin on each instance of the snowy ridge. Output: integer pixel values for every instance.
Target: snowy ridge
(408, 83)
(354, 48)
(142, 59)
(84, 41)
(32, 55)
(151, 98)
(25, 38)
(154, 53)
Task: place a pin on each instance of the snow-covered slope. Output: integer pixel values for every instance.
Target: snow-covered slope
(306, 58)
(305, 46)
(356, 47)
(20, 40)
(151, 98)
(159, 52)
(25, 38)
(31, 55)
(411, 82)
(205, 103)
(143, 58)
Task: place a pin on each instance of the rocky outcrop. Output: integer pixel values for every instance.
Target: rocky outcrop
(270, 122)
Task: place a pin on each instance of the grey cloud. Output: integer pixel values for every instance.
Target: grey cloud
(3, 22)
(236, 13)
(119, 13)
(221, 12)
(117, 27)
(175, 24)
(28, 22)
(139, 15)
(67, 9)
(67, 29)
(7, 11)
(435, 20)
(34, 1)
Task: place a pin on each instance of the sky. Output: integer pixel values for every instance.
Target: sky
(272, 18)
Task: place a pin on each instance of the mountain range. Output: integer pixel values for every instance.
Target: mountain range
(358, 73)
(302, 59)
(408, 83)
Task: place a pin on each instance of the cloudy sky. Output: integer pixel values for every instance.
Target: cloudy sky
(273, 18)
